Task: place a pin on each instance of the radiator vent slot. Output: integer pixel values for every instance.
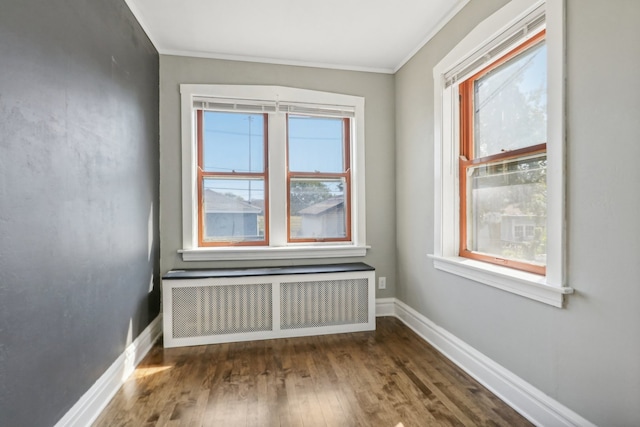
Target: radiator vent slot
(323, 303)
(216, 310)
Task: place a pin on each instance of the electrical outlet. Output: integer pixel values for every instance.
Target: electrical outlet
(382, 283)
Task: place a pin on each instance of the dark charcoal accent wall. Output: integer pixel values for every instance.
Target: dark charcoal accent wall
(78, 199)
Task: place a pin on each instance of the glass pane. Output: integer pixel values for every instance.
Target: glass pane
(233, 142)
(318, 209)
(510, 104)
(234, 210)
(506, 210)
(316, 144)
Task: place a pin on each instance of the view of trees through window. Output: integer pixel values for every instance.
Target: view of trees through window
(317, 208)
(505, 198)
(318, 173)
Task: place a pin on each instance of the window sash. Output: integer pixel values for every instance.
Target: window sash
(202, 175)
(464, 166)
(318, 176)
(467, 157)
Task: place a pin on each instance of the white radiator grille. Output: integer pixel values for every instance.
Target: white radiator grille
(323, 303)
(214, 310)
(207, 310)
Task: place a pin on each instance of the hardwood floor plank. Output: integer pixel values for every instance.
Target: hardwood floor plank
(455, 388)
(424, 372)
(312, 411)
(326, 392)
(390, 377)
(328, 381)
(349, 384)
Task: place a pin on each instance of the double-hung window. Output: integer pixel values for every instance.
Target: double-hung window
(499, 151)
(502, 163)
(318, 178)
(232, 185)
(271, 173)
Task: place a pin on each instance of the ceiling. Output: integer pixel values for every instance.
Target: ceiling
(365, 35)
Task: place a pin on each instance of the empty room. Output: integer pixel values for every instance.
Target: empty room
(333, 213)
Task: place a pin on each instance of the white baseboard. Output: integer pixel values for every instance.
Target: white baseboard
(385, 307)
(527, 400)
(91, 404)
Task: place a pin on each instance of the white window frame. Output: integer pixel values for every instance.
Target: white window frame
(550, 288)
(278, 247)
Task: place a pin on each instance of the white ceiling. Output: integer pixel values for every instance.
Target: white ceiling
(367, 35)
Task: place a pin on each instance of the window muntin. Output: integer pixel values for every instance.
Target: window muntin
(503, 159)
(318, 179)
(232, 178)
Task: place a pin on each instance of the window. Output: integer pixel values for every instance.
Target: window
(271, 173)
(499, 150)
(232, 178)
(318, 179)
(503, 135)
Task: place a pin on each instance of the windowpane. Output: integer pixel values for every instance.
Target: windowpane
(507, 210)
(234, 210)
(510, 104)
(233, 142)
(316, 144)
(318, 208)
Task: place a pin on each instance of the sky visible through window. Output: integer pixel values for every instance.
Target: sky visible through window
(315, 144)
(511, 104)
(234, 142)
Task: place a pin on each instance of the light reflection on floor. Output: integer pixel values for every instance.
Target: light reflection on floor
(140, 373)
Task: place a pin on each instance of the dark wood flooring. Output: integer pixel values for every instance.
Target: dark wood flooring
(389, 377)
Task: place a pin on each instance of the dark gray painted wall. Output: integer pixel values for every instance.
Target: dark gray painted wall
(78, 199)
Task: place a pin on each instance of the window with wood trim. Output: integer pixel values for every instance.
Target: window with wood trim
(502, 165)
(271, 172)
(232, 180)
(318, 179)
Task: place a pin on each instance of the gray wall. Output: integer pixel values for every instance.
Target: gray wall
(78, 199)
(587, 355)
(378, 91)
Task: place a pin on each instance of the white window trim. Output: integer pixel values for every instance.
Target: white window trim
(551, 288)
(279, 248)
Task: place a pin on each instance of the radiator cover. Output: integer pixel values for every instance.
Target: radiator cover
(229, 309)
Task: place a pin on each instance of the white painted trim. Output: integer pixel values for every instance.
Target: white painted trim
(556, 145)
(290, 252)
(435, 30)
(385, 307)
(275, 61)
(530, 402)
(91, 404)
(521, 283)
